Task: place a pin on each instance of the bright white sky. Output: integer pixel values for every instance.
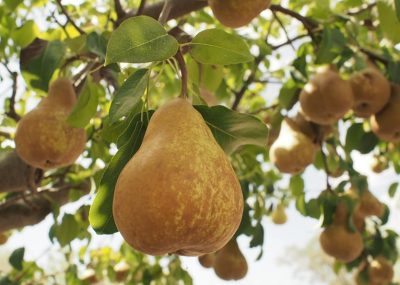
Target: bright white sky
(298, 231)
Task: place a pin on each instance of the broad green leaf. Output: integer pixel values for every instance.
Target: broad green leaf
(393, 189)
(389, 23)
(100, 215)
(296, 185)
(96, 44)
(17, 258)
(258, 236)
(85, 108)
(205, 75)
(129, 95)
(358, 139)
(67, 231)
(232, 129)
(40, 68)
(139, 40)
(218, 47)
(397, 5)
(333, 42)
(24, 35)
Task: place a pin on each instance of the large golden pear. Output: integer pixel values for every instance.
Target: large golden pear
(326, 98)
(230, 263)
(43, 138)
(380, 270)
(371, 92)
(293, 151)
(337, 241)
(237, 13)
(386, 123)
(179, 193)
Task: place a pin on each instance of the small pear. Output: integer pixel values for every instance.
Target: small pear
(237, 13)
(380, 270)
(337, 241)
(279, 216)
(386, 123)
(379, 164)
(43, 138)
(230, 263)
(326, 98)
(3, 238)
(179, 193)
(207, 260)
(371, 92)
(293, 151)
(316, 133)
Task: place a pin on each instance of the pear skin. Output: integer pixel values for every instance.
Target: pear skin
(337, 241)
(279, 216)
(326, 98)
(43, 138)
(237, 13)
(3, 238)
(207, 260)
(179, 193)
(230, 263)
(316, 133)
(293, 151)
(379, 164)
(380, 270)
(369, 204)
(371, 92)
(386, 123)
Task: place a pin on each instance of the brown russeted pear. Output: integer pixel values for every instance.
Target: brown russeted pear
(230, 263)
(179, 193)
(237, 13)
(369, 205)
(371, 92)
(279, 216)
(292, 151)
(380, 270)
(207, 260)
(338, 241)
(316, 133)
(326, 98)
(386, 123)
(43, 138)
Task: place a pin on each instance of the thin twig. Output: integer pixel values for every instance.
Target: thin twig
(11, 112)
(284, 30)
(308, 23)
(184, 74)
(119, 10)
(166, 10)
(264, 109)
(141, 7)
(362, 10)
(290, 41)
(69, 19)
(326, 167)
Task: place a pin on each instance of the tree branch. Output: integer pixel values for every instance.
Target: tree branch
(308, 23)
(69, 19)
(119, 10)
(11, 109)
(141, 7)
(19, 214)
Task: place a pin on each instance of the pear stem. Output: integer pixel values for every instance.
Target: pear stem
(184, 74)
(325, 161)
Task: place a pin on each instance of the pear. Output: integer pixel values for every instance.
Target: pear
(43, 138)
(237, 13)
(337, 241)
(380, 270)
(342, 215)
(369, 204)
(360, 281)
(3, 238)
(179, 193)
(371, 92)
(316, 133)
(386, 123)
(379, 164)
(207, 260)
(279, 216)
(293, 151)
(230, 264)
(326, 98)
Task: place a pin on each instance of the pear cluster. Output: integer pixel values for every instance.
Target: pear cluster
(338, 239)
(237, 13)
(43, 138)
(324, 100)
(179, 193)
(229, 262)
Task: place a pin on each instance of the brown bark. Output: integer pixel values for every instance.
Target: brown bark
(35, 207)
(16, 175)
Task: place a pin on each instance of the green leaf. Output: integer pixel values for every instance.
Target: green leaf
(333, 42)
(393, 189)
(258, 236)
(129, 95)
(397, 5)
(40, 69)
(358, 139)
(17, 257)
(389, 22)
(218, 47)
(67, 231)
(296, 185)
(25, 34)
(86, 107)
(139, 40)
(232, 129)
(100, 215)
(96, 44)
